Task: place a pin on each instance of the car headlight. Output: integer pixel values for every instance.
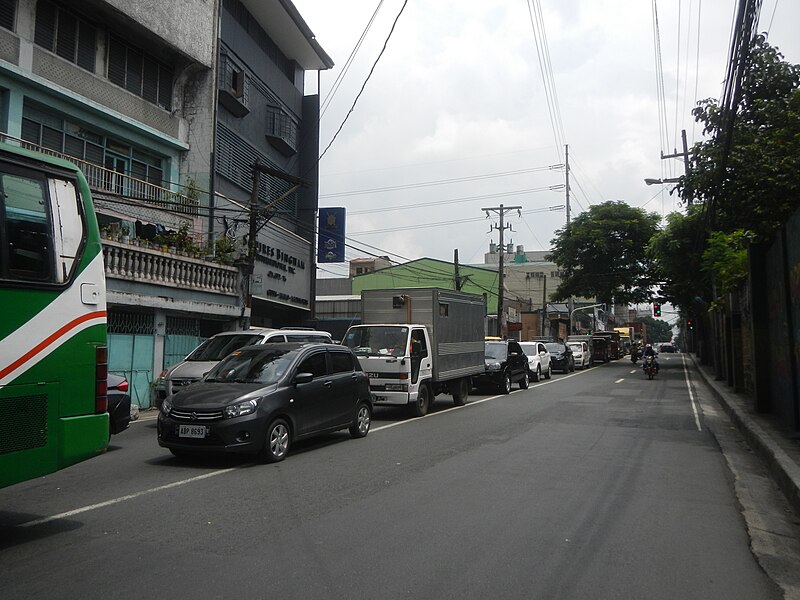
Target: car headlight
(495, 366)
(240, 409)
(166, 407)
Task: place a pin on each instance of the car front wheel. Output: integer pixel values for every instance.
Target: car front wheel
(537, 377)
(524, 383)
(506, 387)
(276, 445)
(360, 428)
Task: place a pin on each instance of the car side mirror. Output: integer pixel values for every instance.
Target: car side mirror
(304, 377)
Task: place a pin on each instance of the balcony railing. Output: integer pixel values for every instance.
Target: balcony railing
(109, 181)
(160, 268)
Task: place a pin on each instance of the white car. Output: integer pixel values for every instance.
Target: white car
(538, 360)
(581, 354)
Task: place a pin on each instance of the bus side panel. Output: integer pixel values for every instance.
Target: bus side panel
(39, 430)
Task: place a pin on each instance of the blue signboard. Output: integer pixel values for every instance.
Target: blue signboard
(330, 242)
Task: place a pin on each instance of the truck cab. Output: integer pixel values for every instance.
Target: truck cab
(397, 360)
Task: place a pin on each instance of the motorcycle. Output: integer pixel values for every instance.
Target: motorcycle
(634, 356)
(650, 367)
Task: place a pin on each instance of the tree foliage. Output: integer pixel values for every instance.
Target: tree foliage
(756, 186)
(657, 330)
(602, 254)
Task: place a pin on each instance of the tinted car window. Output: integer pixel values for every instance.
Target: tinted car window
(314, 364)
(274, 339)
(341, 362)
(555, 347)
(252, 367)
(496, 350)
(218, 347)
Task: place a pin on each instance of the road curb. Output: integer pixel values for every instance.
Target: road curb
(761, 435)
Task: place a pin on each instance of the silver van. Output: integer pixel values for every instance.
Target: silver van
(214, 349)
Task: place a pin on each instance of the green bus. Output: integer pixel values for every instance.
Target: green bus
(53, 348)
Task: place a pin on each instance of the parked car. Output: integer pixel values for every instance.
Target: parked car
(505, 364)
(561, 357)
(538, 360)
(580, 354)
(261, 399)
(214, 349)
(119, 404)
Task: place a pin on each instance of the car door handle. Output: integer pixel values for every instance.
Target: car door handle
(328, 383)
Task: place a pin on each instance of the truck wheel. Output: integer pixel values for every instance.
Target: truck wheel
(462, 392)
(420, 407)
(524, 383)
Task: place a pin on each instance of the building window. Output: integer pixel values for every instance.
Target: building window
(281, 130)
(234, 86)
(55, 133)
(139, 73)
(8, 10)
(70, 37)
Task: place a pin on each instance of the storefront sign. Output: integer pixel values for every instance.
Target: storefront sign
(330, 243)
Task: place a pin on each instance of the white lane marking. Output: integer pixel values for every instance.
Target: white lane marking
(83, 509)
(619, 380)
(691, 395)
(634, 371)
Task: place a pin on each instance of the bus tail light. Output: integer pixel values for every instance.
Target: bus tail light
(101, 380)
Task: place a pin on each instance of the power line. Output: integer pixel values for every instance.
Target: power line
(364, 85)
(439, 182)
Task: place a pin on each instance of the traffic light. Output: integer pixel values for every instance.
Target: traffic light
(689, 325)
(656, 310)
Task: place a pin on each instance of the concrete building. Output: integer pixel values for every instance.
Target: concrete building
(137, 94)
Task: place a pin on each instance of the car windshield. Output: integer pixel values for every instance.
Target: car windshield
(496, 350)
(219, 346)
(554, 347)
(262, 366)
(529, 349)
(377, 341)
(576, 347)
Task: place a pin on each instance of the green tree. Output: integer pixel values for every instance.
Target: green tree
(657, 330)
(602, 254)
(759, 187)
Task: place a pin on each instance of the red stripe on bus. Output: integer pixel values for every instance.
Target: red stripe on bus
(50, 339)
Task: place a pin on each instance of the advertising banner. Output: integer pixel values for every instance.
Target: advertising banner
(330, 242)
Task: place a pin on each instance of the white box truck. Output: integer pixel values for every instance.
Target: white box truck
(417, 343)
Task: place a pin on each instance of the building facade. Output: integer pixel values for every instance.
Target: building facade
(132, 91)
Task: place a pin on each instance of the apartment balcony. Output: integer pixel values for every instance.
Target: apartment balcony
(150, 277)
(110, 183)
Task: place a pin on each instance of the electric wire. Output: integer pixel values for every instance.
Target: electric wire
(409, 186)
(364, 85)
(340, 77)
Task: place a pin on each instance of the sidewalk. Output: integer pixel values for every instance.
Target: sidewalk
(772, 443)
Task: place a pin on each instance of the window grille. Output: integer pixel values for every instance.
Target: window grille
(183, 326)
(8, 11)
(131, 323)
(139, 73)
(64, 33)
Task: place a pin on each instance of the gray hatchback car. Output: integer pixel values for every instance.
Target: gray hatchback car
(261, 399)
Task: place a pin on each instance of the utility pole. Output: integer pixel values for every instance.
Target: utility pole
(456, 276)
(544, 304)
(570, 301)
(684, 155)
(263, 215)
(501, 211)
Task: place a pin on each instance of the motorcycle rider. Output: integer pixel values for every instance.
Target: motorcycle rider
(650, 351)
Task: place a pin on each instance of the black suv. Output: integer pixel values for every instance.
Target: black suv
(505, 363)
(561, 358)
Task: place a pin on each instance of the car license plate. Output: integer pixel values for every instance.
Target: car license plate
(192, 431)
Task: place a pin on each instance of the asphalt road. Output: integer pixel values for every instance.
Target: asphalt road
(599, 484)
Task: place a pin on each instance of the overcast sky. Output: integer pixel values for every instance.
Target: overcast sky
(459, 94)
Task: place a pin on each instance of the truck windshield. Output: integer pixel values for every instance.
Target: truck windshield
(380, 340)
